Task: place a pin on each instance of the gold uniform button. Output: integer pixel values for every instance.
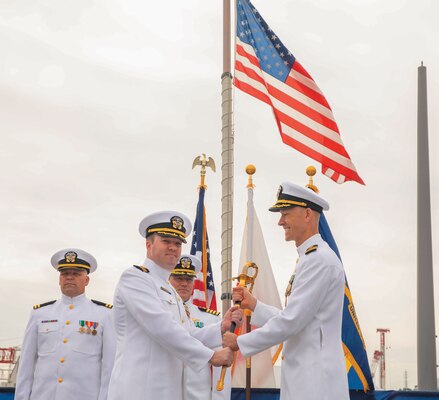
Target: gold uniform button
(67, 322)
(65, 341)
(60, 380)
(71, 306)
(62, 360)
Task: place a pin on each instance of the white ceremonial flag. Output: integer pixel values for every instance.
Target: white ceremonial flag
(253, 250)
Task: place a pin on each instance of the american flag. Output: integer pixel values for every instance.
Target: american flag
(204, 288)
(267, 70)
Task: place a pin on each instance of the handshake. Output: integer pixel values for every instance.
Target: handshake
(242, 296)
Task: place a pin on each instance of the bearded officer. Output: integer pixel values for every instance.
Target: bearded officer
(310, 326)
(155, 336)
(197, 385)
(69, 344)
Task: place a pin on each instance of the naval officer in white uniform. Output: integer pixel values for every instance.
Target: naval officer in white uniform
(155, 337)
(198, 385)
(313, 367)
(69, 344)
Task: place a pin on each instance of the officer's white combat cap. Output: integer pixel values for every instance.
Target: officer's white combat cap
(167, 224)
(187, 265)
(292, 195)
(74, 259)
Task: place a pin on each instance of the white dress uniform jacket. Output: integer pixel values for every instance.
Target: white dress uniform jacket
(201, 385)
(310, 326)
(57, 361)
(155, 338)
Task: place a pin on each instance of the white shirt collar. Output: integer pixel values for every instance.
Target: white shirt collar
(156, 270)
(73, 300)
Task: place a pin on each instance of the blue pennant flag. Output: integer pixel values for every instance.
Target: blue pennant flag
(354, 347)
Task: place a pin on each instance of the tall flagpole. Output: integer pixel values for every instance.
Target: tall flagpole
(250, 170)
(227, 161)
(427, 374)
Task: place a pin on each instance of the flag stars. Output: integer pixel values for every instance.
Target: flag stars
(268, 49)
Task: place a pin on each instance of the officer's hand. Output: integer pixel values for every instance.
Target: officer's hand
(233, 314)
(241, 294)
(230, 340)
(222, 357)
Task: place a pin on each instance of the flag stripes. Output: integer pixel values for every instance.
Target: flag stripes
(204, 288)
(265, 69)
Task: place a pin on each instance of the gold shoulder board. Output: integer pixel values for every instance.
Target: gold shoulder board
(100, 303)
(37, 306)
(141, 268)
(311, 249)
(208, 310)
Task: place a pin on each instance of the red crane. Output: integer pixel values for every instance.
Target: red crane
(382, 359)
(7, 355)
(375, 361)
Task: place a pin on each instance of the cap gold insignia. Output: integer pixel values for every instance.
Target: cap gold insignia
(185, 262)
(279, 191)
(177, 223)
(71, 257)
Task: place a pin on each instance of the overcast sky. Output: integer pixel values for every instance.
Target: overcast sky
(104, 105)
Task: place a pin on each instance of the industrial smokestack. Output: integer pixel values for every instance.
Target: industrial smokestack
(427, 374)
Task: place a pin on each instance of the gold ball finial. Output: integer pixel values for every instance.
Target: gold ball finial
(250, 169)
(311, 171)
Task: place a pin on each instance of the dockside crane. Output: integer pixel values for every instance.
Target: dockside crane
(379, 358)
